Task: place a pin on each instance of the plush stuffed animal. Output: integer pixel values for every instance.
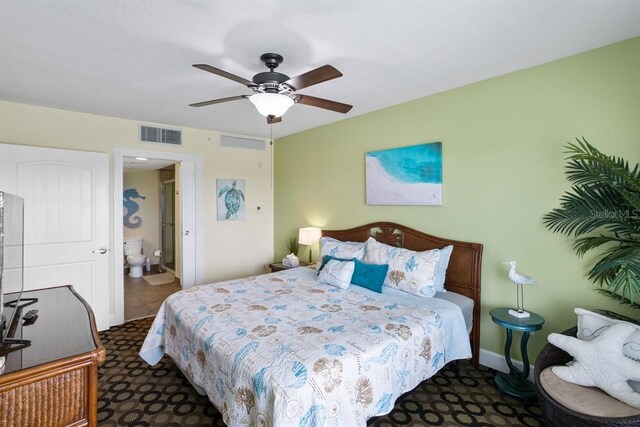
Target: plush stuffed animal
(600, 363)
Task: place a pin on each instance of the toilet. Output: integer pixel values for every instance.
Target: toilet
(135, 259)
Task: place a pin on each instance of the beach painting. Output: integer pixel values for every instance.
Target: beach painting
(405, 176)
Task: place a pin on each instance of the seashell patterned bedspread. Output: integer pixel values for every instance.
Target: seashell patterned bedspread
(283, 350)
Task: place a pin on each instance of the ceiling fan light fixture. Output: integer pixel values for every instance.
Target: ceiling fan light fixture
(271, 104)
(274, 93)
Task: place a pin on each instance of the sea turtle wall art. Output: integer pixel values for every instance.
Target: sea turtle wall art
(230, 199)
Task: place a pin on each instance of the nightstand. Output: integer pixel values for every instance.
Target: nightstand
(278, 266)
(515, 383)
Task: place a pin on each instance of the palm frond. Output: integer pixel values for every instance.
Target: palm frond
(587, 208)
(633, 201)
(587, 164)
(619, 271)
(582, 245)
(604, 199)
(613, 314)
(292, 245)
(622, 301)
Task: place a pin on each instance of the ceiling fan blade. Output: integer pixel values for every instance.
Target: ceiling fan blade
(218, 101)
(222, 73)
(310, 78)
(324, 103)
(271, 120)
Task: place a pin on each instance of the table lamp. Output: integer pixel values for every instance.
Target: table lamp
(309, 236)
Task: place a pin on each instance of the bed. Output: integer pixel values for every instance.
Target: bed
(283, 349)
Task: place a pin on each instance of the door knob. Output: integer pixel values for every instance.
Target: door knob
(100, 251)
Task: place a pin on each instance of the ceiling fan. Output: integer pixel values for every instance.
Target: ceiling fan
(275, 92)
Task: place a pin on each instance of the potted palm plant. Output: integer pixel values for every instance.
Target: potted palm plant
(292, 245)
(602, 211)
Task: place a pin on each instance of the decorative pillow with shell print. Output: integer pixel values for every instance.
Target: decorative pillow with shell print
(339, 249)
(409, 271)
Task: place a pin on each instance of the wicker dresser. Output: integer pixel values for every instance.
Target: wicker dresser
(54, 380)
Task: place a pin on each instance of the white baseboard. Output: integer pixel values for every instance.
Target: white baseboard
(496, 361)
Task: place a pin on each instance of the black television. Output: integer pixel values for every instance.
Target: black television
(11, 263)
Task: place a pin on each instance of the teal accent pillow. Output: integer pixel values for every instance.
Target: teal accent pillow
(370, 276)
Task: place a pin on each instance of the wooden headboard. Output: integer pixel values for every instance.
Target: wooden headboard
(463, 273)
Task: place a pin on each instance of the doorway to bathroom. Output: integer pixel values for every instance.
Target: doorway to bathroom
(186, 252)
(151, 272)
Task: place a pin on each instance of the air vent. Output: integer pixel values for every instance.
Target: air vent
(238, 142)
(160, 135)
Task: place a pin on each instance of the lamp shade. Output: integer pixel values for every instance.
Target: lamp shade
(271, 104)
(309, 235)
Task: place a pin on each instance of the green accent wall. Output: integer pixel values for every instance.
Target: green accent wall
(503, 169)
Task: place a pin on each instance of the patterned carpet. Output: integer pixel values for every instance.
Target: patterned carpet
(132, 393)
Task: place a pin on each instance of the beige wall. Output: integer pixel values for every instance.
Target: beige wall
(503, 169)
(231, 249)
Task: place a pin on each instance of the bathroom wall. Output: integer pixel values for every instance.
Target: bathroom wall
(147, 183)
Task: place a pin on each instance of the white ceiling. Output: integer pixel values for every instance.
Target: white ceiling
(132, 59)
(142, 163)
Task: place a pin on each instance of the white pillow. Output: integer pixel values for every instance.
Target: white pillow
(600, 362)
(338, 249)
(441, 271)
(591, 325)
(337, 273)
(409, 271)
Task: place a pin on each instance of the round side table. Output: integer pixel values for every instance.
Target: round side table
(515, 383)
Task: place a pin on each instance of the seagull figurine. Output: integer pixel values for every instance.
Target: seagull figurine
(519, 280)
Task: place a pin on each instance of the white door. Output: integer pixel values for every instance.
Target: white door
(66, 219)
(187, 224)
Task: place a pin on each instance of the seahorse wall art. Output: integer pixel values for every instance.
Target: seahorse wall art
(131, 207)
(231, 206)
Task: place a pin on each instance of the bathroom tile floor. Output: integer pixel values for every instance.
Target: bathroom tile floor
(142, 299)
